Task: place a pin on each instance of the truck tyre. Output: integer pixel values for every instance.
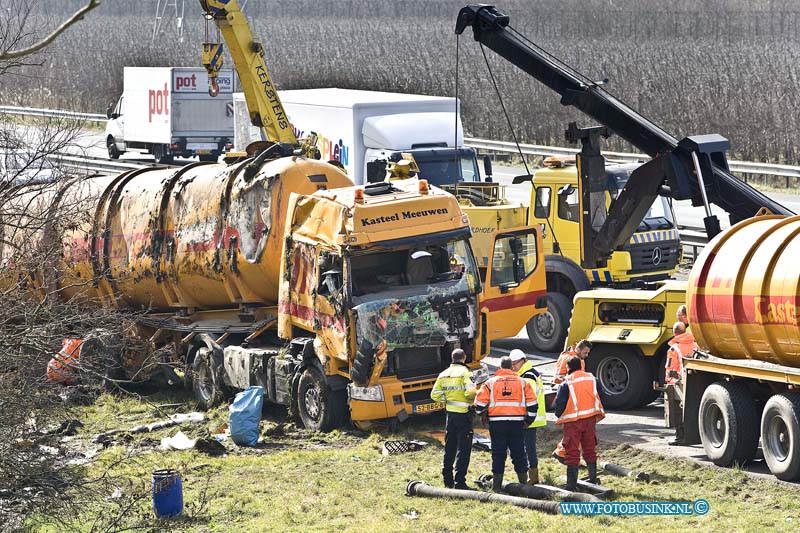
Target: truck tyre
(162, 154)
(207, 391)
(363, 363)
(320, 408)
(780, 436)
(111, 145)
(547, 331)
(624, 376)
(728, 428)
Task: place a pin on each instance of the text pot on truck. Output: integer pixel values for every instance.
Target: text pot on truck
(167, 112)
(336, 299)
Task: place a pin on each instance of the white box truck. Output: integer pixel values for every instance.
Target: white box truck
(167, 112)
(363, 130)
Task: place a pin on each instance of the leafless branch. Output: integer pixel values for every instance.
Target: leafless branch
(78, 15)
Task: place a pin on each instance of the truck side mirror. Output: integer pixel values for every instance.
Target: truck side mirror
(110, 112)
(522, 179)
(487, 168)
(515, 245)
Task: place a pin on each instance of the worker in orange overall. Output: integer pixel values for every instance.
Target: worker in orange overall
(511, 404)
(63, 368)
(580, 350)
(579, 409)
(682, 345)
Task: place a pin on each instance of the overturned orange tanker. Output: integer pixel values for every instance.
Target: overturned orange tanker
(338, 300)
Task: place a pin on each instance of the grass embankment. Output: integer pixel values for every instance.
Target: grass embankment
(303, 481)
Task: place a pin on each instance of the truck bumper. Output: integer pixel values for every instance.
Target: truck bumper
(399, 400)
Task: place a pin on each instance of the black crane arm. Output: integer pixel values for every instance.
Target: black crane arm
(672, 165)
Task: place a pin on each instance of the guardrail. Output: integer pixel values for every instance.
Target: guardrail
(693, 240)
(744, 167)
(52, 113)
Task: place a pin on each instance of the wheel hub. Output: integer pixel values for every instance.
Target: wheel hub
(777, 438)
(313, 403)
(716, 425)
(614, 375)
(545, 325)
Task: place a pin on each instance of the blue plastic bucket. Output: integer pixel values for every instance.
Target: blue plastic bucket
(167, 493)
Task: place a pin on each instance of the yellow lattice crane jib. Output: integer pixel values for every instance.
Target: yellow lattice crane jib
(263, 104)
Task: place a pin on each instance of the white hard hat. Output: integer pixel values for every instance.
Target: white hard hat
(517, 355)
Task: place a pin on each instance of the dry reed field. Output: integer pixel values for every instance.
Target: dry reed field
(728, 67)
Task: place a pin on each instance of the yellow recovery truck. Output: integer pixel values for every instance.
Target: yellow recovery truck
(652, 253)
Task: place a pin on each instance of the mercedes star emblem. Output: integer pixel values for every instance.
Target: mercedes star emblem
(656, 256)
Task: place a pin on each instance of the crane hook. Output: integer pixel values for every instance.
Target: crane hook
(213, 87)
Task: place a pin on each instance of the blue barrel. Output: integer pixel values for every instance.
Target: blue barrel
(167, 493)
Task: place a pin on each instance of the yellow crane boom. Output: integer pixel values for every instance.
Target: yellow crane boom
(263, 104)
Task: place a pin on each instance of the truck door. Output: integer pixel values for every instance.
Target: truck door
(515, 288)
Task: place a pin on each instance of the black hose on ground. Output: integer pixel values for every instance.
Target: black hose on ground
(539, 492)
(624, 472)
(420, 488)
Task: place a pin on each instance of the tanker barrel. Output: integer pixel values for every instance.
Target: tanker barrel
(742, 292)
(619, 470)
(420, 488)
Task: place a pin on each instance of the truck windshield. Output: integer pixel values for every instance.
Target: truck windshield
(447, 267)
(443, 167)
(659, 216)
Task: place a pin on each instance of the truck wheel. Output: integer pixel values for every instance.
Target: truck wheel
(727, 424)
(623, 375)
(547, 331)
(320, 408)
(111, 145)
(204, 383)
(162, 154)
(780, 436)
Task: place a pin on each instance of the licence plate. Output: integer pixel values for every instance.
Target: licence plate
(428, 407)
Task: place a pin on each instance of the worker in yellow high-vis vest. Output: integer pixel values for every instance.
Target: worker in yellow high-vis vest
(524, 368)
(455, 388)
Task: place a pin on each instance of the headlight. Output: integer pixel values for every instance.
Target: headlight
(481, 374)
(368, 394)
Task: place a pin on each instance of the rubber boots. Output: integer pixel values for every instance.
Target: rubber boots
(522, 477)
(497, 482)
(533, 476)
(572, 478)
(592, 467)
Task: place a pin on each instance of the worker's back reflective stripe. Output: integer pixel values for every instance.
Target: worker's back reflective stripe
(583, 413)
(493, 403)
(459, 404)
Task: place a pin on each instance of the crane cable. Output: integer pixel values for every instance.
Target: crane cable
(537, 203)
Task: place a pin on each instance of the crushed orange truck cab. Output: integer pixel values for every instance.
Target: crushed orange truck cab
(340, 301)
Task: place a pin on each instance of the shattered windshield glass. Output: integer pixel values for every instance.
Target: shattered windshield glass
(414, 296)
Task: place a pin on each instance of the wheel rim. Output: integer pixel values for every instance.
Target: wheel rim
(714, 424)
(544, 325)
(614, 375)
(203, 378)
(778, 440)
(313, 403)
(111, 148)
